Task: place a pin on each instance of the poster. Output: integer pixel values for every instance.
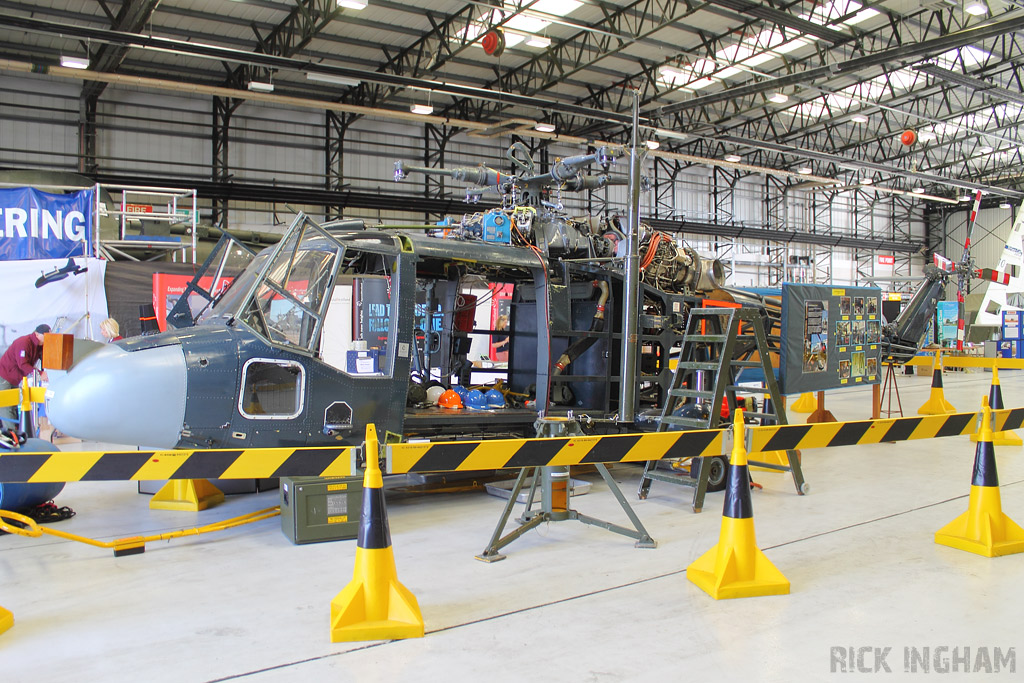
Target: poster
(815, 336)
(858, 364)
(947, 313)
(843, 337)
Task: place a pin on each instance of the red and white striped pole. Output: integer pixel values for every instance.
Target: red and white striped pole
(965, 264)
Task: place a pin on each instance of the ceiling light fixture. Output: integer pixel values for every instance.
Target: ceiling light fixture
(538, 41)
(652, 144)
(805, 170)
(331, 78)
(859, 118)
(1005, 205)
(866, 181)
(779, 98)
(965, 198)
(352, 4)
(260, 86)
(545, 128)
(72, 62)
(733, 158)
(976, 9)
(918, 190)
(424, 109)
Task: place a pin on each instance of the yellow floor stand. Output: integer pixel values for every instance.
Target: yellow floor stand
(189, 495)
(374, 605)
(736, 567)
(983, 529)
(804, 404)
(936, 403)
(995, 399)
(6, 620)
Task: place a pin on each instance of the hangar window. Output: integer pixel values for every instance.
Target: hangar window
(271, 389)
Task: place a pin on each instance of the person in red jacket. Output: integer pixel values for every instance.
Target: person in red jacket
(19, 361)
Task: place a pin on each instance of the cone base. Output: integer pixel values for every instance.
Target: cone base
(805, 404)
(375, 605)
(187, 495)
(983, 529)
(735, 567)
(936, 405)
(6, 620)
(1002, 439)
(771, 458)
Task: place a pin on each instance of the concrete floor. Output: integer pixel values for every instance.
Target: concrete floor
(571, 602)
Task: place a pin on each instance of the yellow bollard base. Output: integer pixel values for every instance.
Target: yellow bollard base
(770, 458)
(805, 404)
(375, 605)
(1002, 438)
(736, 567)
(983, 529)
(936, 405)
(6, 620)
(188, 495)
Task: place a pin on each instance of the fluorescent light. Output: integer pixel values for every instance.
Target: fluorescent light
(671, 134)
(1005, 205)
(423, 109)
(352, 4)
(918, 190)
(733, 157)
(259, 86)
(965, 198)
(805, 170)
(779, 98)
(976, 9)
(652, 144)
(545, 128)
(74, 62)
(538, 41)
(859, 118)
(331, 78)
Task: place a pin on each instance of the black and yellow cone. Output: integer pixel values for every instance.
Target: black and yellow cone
(780, 458)
(6, 620)
(189, 495)
(995, 399)
(984, 529)
(736, 567)
(805, 404)
(936, 403)
(374, 605)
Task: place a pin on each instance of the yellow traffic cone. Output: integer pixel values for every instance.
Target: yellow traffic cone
(374, 605)
(736, 567)
(6, 620)
(936, 403)
(984, 529)
(805, 404)
(995, 399)
(188, 495)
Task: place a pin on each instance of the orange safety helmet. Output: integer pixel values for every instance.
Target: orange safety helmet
(450, 400)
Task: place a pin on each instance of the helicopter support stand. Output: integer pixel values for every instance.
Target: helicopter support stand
(554, 485)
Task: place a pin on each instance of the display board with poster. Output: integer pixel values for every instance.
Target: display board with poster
(830, 337)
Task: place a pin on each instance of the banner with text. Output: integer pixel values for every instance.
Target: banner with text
(40, 225)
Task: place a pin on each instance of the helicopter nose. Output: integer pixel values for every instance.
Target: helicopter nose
(122, 397)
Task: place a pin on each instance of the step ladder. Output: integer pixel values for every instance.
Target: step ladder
(717, 343)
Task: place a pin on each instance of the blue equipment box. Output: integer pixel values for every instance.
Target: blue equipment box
(363, 362)
(497, 227)
(1009, 348)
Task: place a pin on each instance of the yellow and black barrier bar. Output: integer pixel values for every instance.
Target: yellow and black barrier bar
(516, 453)
(254, 463)
(449, 456)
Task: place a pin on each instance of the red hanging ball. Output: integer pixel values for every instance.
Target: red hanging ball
(908, 138)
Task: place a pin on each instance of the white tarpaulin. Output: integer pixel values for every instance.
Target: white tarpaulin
(74, 305)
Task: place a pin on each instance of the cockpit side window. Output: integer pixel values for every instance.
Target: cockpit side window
(272, 389)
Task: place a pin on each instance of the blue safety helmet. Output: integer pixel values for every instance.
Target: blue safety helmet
(495, 399)
(475, 400)
(461, 391)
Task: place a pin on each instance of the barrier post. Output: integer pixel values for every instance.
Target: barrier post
(995, 399)
(936, 403)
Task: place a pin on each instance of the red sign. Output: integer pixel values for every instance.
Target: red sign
(886, 260)
(138, 208)
(168, 288)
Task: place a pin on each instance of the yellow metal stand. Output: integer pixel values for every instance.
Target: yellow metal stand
(736, 567)
(374, 605)
(6, 620)
(189, 495)
(936, 403)
(804, 404)
(995, 399)
(984, 529)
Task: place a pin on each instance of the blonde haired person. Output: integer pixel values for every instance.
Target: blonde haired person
(111, 330)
